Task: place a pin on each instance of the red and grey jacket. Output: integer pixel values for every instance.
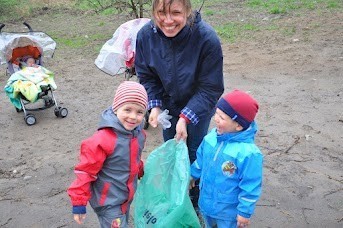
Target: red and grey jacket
(109, 166)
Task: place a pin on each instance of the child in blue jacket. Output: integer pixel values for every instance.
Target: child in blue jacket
(229, 164)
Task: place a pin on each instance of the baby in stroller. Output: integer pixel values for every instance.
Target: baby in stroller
(30, 61)
(29, 81)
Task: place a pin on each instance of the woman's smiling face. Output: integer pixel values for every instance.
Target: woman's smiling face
(171, 17)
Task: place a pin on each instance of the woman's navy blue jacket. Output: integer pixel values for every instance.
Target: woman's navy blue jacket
(184, 73)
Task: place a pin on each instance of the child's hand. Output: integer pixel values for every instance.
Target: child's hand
(242, 222)
(191, 183)
(79, 218)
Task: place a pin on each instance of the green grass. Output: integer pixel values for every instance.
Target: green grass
(234, 31)
(214, 12)
(78, 41)
(287, 6)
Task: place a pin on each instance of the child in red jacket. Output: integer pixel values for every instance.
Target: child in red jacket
(110, 160)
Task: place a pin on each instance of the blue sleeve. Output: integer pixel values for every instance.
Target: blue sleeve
(250, 184)
(210, 82)
(196, 166)
(147, 78)
(79, 210)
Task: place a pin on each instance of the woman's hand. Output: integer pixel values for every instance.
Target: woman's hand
(242, 222)
(154, 112)
(181, 130)
(79, 218)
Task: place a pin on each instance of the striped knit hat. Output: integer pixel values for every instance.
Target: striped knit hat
(130, 91)
(240, 106)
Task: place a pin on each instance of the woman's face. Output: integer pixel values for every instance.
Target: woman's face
(172, 18)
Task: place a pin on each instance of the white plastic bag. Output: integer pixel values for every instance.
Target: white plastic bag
(120, 48)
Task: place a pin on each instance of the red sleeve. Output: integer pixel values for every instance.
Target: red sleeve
(93, 153)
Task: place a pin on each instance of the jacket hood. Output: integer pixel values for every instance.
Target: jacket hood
(247, 136)
(110, 120)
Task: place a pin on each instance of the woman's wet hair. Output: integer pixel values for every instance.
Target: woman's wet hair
(167, 3)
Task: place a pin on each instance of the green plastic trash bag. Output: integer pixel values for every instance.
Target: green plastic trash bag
(162, 199)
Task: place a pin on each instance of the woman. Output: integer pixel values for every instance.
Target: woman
(179, 61)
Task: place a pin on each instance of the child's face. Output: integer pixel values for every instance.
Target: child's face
(130, 115)
(30, 62)
(224, 123)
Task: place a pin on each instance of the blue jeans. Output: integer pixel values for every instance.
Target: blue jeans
(219, 223)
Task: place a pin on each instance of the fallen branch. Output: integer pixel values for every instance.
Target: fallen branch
(265, 205)
(8, 220)
(296, 141)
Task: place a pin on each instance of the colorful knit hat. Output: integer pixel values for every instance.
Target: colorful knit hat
(240, 106)
(130, 91)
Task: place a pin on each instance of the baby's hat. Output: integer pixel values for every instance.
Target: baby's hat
(26, 57)
(240, 106)
(130, 91)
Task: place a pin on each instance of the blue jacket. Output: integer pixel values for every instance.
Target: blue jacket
(185, 72)
(230, 170)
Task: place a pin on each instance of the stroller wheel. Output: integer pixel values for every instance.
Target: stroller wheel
(30, 119)
(61, 112)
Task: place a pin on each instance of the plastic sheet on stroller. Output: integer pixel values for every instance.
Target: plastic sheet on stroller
(117, 55)
(29, 84)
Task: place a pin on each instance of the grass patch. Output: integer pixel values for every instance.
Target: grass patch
(78, 41)
(234, 31)
(287, 6)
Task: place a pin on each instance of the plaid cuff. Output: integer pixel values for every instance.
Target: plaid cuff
(184, 117)
(190, 115)
(154, 103)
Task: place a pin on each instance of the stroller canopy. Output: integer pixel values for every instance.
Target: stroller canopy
(18, 41)
(118, 52)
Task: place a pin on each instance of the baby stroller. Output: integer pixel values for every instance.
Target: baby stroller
(117, 55)
(30, 84)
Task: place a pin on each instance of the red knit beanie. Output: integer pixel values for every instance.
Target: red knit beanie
(130, 91)
(240, 106)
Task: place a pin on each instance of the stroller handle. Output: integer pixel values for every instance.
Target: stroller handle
(28, 26)
(1, 26)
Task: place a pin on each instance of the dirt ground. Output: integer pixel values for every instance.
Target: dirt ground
(297, 79)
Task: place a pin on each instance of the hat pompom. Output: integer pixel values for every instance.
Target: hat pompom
(130, 91)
